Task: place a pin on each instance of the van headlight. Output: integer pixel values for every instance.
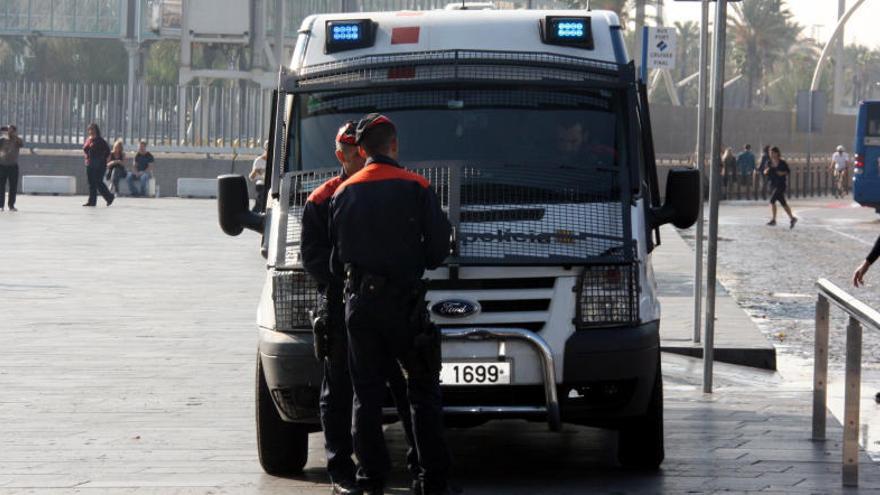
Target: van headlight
(294, 293)
(608, 296)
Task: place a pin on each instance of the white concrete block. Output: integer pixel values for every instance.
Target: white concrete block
(48, 184)
(124, 191)
(196, 188)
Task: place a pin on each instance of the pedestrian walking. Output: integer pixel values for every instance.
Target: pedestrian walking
(139, 178)
(840, 171)
(760, 177)
(258, 177)
(116, 166)
(728, 170)
(777, 171)
(10, 146)
(331, 346)
(96, 152)
(745, 165)
(387, 227)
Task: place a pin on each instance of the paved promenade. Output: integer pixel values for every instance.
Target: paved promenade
(127, 365)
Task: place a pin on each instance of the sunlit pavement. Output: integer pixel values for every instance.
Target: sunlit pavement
(128, 363)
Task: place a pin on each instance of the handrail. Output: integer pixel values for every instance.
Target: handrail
(859, 314)
(861, 311)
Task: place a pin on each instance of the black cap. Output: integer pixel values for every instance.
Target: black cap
(370, 121)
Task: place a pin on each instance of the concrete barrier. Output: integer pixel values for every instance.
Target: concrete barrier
(124, 191)
(48, 184)
(196, 188)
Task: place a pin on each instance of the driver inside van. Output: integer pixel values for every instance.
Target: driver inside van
(575, 147)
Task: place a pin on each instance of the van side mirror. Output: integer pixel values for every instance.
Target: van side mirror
(682, 203)
(232, 206)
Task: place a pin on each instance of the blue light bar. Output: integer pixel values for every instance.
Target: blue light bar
(567, 31)
(346, 32)
(571, 30)
(349, 34)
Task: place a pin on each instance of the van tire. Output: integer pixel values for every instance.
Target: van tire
(640, 441)
(283, 447)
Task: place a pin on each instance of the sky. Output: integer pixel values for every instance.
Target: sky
(817, 16)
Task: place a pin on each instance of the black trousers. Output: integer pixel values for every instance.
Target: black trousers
(260, 201)
(336, 406)
(95, 176)
(8, 173)
(379, 335)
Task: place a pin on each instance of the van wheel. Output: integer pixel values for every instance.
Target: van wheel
(283, 446)
(640, 441)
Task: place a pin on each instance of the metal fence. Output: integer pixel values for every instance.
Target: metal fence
(193, 118)
(859, 315)
(804, 181)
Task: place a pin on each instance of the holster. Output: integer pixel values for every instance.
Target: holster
(324, 318)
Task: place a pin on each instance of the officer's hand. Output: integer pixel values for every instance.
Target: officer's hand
(859, 274)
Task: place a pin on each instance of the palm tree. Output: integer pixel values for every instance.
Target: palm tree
(622, 7)
(687, 46)
(762, 32)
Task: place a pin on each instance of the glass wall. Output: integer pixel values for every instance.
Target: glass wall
(96, 18)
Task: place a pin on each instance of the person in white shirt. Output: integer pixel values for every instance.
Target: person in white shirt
(840, 169)
(258, 177)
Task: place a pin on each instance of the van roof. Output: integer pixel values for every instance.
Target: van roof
(502, 30)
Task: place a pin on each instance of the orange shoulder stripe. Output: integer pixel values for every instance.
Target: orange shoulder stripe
(325, 191)
(375, 172)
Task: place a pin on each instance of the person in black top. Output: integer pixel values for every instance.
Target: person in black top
(139, 178)
(859, 275)
(777, 172)
(96, 152)
(330, 338)
(386, 228)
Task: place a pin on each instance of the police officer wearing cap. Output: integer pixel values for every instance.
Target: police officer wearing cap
(330, 339)
(386, 228)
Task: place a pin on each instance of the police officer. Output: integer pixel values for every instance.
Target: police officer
(331, 345)
(387, 227)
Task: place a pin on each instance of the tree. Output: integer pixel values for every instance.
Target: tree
(162, 62)
(762, 32)
(687, 47)
(622, 7)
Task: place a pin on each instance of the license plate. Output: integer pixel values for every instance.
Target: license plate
(474, 373)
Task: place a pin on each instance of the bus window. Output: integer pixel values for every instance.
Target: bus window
(873, 121)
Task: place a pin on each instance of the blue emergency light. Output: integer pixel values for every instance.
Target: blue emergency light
(567, 31)
(349, 34)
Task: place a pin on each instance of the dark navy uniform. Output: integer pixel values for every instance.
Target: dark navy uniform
(387, 227)
(336, 388)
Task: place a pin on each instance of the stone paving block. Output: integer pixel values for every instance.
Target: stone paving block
(103, 397)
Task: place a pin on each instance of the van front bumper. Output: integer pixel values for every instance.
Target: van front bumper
(608, 377)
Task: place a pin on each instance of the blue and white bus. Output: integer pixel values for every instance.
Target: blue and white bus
(866, 177)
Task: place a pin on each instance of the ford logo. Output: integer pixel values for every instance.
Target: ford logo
(455, 308)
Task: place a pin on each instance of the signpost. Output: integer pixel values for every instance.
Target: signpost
(658, 49)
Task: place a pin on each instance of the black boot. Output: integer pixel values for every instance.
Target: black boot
(346, 487)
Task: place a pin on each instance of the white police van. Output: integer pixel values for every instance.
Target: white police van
(535, 134)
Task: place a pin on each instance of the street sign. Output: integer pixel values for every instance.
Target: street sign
(658, 47)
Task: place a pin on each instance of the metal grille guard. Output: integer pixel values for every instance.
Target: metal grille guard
(547, 363)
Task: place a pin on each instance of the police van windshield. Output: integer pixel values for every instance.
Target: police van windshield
(541, 131)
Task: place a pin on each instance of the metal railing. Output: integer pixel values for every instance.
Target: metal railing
(192, 118)
(858, 314)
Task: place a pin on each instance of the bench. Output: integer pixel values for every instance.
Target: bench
(48, 184)
(196, 188)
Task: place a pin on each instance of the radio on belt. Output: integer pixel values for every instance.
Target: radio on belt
(349, 34)
(567, 31)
